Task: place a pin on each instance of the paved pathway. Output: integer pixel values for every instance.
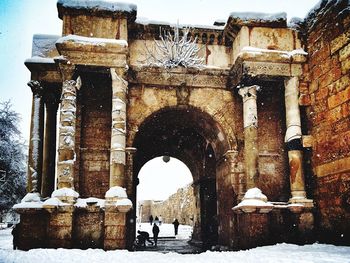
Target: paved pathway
(166, 245)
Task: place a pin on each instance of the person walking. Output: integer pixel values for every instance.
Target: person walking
(15, 234)
(155, 231)
(150, 219)
(176, 226)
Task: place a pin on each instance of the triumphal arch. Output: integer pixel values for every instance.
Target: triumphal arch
(242, 115)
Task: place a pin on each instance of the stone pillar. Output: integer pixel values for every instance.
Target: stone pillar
(250, 122)
(118, 134)
(35, 156)
(237, 175)
(48, 178)
(130, 151)
(293, 140)
(66, 139)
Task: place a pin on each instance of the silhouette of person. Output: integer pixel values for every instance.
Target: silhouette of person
(151, 219)
(176, 225)
(15, 233)
(160, 219)
(155, 231)
(142, 237)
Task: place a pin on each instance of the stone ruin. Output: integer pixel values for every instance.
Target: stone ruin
(263, 127)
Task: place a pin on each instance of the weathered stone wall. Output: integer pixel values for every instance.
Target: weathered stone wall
(228, 197)
(180, 205)
(94, 133)
(273, 164)
(214, 55)
(328, 45)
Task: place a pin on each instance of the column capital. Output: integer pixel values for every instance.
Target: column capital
(248, 91)
(52, 98)
(36, 87)
(67, 69)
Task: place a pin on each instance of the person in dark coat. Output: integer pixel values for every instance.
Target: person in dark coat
(15, 233)
(176, 225)
(142, 237)
(155, 231)
(151, 219)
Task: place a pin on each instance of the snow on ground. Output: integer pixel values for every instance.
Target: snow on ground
(284, 253)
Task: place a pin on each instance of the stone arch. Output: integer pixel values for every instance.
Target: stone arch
(195, 138)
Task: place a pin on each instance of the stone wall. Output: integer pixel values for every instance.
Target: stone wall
(328, 111)
(94, 133)
(180, 205)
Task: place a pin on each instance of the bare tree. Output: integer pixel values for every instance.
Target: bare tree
(175, 51)
(12, 158)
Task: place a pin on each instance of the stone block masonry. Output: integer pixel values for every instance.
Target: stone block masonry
(328, 44)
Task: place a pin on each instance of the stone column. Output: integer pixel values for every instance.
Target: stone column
(118, 134)
(250, 122)
(237, 175)
(66, 139)
(35, 156)
(48, 178)
(130, 151)
(293, 140)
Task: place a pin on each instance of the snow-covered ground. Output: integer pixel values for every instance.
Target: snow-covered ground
(284, 253)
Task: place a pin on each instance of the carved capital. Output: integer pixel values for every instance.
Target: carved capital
(248, 92)
(69, 86)
(36, 87)
(67, 68)
(52, 99)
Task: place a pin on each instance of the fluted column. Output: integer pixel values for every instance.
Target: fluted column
(48, 177)
(35, 156)
(293, 140)
(66, 139)
(250, 122)
(118, 134)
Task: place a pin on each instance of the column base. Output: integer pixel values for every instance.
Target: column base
(299, 197)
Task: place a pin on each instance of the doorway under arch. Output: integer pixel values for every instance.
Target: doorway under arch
(193, 137)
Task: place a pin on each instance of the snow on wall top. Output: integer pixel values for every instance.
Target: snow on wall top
(91, 40)
(258, 19)
(43, 45)
(145, 21)
(98, 5)
(259, 16)
(323, 8)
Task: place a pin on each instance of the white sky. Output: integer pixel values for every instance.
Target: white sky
(20, 19)
(158, 179)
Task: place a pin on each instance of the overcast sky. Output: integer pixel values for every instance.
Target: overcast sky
(20, 19)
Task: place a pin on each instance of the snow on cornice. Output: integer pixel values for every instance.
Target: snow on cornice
(40, 60)
(99, 5)
(259, 17)
(283, 53)
(91, 40)
(146, 21)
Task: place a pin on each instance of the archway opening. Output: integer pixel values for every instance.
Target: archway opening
(193, 137)
(165, 193)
